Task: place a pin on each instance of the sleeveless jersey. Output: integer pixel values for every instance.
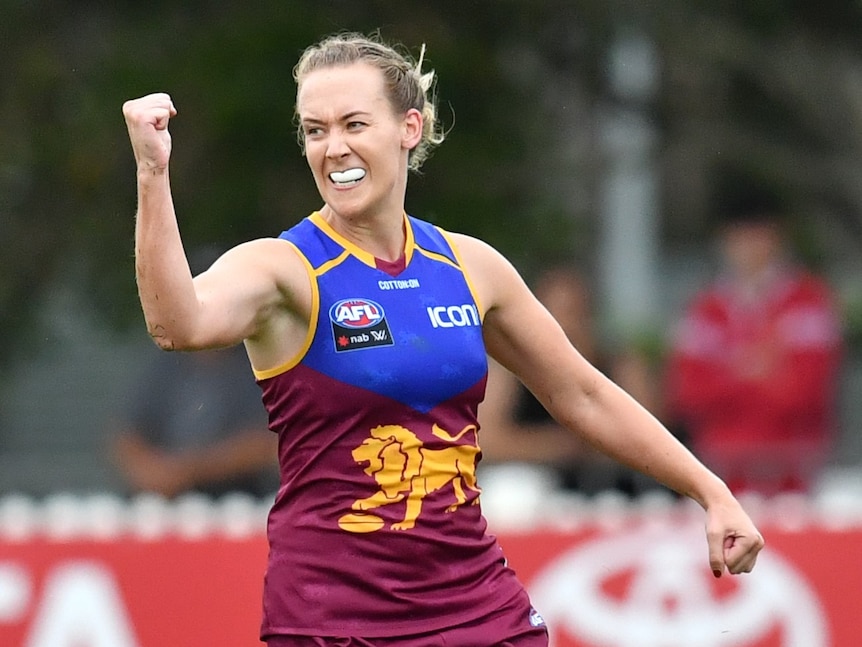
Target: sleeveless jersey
(376, 529)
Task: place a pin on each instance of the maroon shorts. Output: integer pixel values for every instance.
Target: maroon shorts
(517, 624)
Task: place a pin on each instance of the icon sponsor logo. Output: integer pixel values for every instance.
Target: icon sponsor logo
(453, 316)
(359, 323)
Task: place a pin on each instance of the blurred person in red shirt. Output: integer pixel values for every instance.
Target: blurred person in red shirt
(754, 363)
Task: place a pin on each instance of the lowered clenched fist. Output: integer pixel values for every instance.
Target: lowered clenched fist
(147, 120)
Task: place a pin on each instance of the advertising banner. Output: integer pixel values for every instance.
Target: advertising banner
(628, 581)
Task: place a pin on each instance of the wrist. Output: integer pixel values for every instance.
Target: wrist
(711, 491)
(148, 174)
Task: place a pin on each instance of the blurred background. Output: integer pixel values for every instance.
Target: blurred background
(588, 131)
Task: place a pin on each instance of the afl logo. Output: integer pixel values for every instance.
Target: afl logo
(357, 324)
(356, 313)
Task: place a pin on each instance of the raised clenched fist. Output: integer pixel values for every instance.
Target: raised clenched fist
(147, 120)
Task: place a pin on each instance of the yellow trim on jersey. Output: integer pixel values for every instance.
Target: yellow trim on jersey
(435, 256)
(328, 265)
(409, 242)
(312, 324)
(364, 256)
(467, 278)
(327, 229)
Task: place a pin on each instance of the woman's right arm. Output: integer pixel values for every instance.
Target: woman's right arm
(239, 297)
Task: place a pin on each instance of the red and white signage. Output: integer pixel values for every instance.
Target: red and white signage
(637, 581)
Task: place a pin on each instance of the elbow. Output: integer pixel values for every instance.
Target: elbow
(184, 338)
(164, 343)
(166, 340)
(161, 338)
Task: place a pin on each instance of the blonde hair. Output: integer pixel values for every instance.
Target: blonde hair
(406, 85)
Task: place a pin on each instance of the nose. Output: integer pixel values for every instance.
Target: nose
(336, 145)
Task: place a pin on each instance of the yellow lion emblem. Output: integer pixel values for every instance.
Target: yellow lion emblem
(404, 469)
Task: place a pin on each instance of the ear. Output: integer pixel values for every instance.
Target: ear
(411, 129)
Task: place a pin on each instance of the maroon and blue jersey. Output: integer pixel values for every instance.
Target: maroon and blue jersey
(376, 529)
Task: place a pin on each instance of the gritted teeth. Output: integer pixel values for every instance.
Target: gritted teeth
(350, 175)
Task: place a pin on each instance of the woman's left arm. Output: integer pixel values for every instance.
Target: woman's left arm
(523, 336)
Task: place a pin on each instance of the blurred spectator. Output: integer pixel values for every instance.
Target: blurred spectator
(752, 375)
(516, 428)
(196, 423)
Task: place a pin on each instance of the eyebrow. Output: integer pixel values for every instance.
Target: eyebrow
(344, 117)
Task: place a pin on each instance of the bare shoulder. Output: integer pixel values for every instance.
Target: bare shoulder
(275, 261)
(264, 251)
(518, 330)
(259, 291)
(491, 273)
(471, 247)
(273, 279)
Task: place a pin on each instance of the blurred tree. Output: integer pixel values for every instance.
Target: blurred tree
(67, 181)
(773, 85)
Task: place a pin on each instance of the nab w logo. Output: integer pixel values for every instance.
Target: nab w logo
(356, 313)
